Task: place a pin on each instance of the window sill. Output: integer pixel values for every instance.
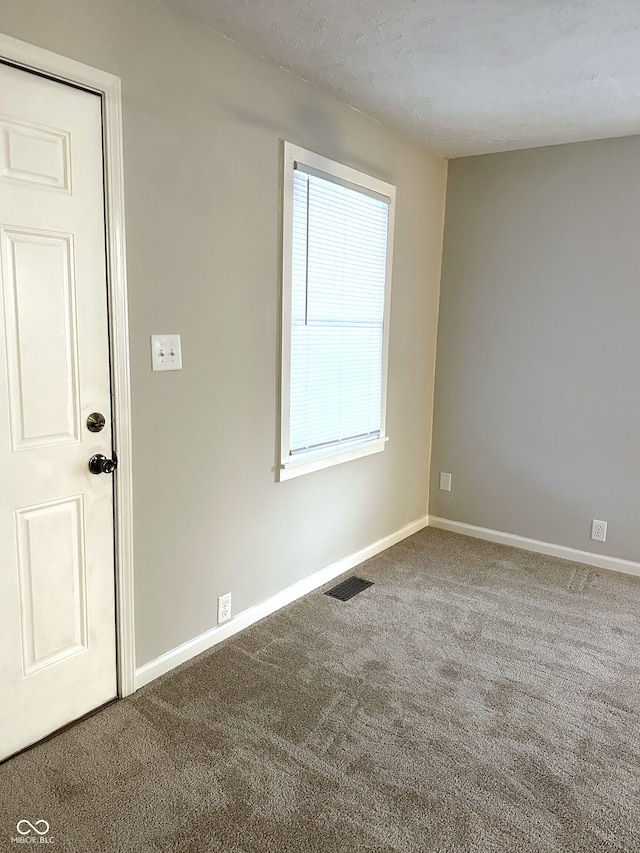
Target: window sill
(308, 462)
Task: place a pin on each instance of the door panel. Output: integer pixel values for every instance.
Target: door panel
(34, 155)
(52, 567)
(57, 588)
(40, 325)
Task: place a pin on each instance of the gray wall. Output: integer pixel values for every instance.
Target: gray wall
(537, 407)
(202, 124)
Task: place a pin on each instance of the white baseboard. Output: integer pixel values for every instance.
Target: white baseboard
(190, 649)
(601, 561)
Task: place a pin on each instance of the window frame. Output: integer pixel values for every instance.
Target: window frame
(304, 463)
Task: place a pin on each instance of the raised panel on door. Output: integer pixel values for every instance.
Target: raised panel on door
(31, 154)
(40, 322)
(52, 572)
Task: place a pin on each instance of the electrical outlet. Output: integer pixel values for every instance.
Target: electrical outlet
(445, 481)
(224, 608)
(599, 530)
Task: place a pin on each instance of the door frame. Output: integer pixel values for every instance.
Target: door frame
(32, 58)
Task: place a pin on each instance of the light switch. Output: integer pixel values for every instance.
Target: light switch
(166, 352)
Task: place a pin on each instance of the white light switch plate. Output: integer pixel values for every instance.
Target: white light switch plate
(166, 352)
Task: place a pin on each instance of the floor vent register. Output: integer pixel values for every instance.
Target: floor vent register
(347, 589)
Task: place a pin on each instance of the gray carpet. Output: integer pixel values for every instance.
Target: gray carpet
(476, 698)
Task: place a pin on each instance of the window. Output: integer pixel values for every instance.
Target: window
(338, 235)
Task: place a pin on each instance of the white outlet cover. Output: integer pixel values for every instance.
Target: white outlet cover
(224, 608)
(166, 352)
(599, 530)
(445, 481)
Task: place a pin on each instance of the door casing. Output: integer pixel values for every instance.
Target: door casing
(32, 58)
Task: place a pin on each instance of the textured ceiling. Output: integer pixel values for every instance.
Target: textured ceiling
(465, 76)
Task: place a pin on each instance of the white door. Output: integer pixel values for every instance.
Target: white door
(57, 587)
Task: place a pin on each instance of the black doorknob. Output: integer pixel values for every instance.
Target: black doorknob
(100, 464)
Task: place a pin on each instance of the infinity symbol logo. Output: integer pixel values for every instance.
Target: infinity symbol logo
(30, 826)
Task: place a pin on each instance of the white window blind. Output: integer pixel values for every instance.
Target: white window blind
(339, 270)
